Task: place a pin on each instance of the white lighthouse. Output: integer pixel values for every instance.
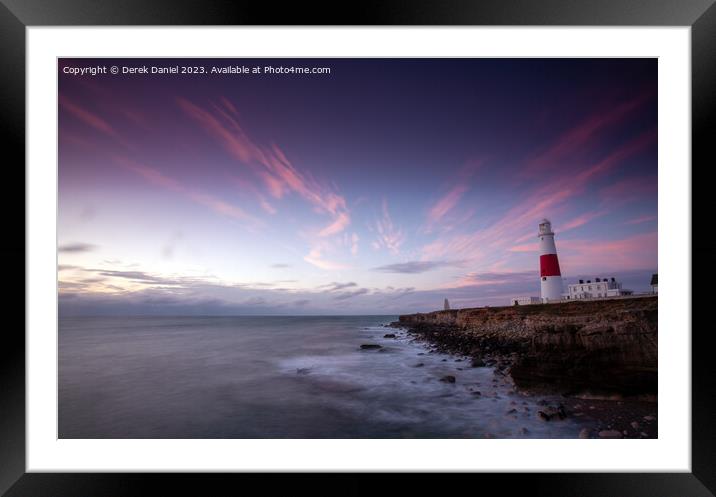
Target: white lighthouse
(550, 276)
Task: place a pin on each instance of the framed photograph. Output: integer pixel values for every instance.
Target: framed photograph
(425, 239)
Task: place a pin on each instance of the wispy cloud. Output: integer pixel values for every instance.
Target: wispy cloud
(354, 243)
(88, 118)
(633, 252)
(315, 258)
(549, 198)
(217, 205)
(642, 219)
(576, 139)
(457, 187)
(269, 163)
(388, 236)
(581, 220)
(476, 279)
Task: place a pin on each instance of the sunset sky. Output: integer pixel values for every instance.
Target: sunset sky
(380, 188)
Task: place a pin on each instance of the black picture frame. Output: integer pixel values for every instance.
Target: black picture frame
(17, 15)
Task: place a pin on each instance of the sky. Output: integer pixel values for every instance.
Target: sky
(380, 186)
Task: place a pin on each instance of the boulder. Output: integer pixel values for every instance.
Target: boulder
(448, 379)
(369, 346)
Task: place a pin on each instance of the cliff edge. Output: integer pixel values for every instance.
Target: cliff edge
(600, 346)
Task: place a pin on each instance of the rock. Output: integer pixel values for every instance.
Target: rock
(609, 345)
(610, 434)
(458, 360)
(635, 425)
(584, 433)
(448, 379)
(459, 369)
(369, 346)
(421, 353)
(477, 393)
(649, 418)
(625, 432)
(523, 431)
(512, 411)
(644, 434)
(303, 370)
(389, 335)
(478, 363)
(543, 416)
(444, 360)
(419, 365)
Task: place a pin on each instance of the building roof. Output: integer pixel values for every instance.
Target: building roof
(654, 279)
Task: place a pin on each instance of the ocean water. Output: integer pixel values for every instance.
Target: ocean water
(277, 377)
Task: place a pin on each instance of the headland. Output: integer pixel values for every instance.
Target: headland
(600, 347)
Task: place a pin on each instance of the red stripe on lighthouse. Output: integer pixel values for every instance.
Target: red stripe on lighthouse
(549, 265)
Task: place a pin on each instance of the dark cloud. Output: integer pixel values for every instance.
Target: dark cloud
(335, 286)
(350, 295)
(70, 248)
(415, 267)
(301, 303)
(142, 277)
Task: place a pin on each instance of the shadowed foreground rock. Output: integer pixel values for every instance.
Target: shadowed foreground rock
(607, 346)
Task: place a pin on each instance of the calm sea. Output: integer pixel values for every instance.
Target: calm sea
(276, 377)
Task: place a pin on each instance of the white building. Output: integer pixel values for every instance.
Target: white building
(655, 283)
(525, 300)
(600, 288)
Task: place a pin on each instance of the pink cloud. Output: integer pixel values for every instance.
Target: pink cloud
(634, 252)
(446, 203)
(548, 199)
(90, 119)
(642, 219)
(581, 220)
(339, 224)
(269, 163)
(529, 247)
(458, 186)
(629, 189)
(244, 185)
(217, 205)
(576, 139)
(315, 258)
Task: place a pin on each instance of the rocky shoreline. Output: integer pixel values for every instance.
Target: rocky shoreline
(596, 360)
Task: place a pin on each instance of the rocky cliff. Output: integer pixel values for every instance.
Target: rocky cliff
(603, 346)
